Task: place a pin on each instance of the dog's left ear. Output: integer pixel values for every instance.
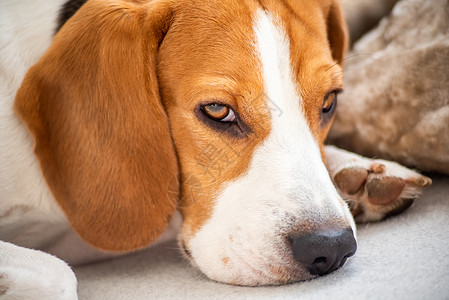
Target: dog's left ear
(101, 132)
(337, 32)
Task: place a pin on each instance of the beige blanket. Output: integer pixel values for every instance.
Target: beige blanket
(396, 99)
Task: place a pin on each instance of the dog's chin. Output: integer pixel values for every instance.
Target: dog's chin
(261, 275)
(243, 267)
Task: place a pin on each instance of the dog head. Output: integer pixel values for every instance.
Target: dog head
(217, 108)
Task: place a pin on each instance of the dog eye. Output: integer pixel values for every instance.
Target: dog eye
(330, 102)
(218, 112)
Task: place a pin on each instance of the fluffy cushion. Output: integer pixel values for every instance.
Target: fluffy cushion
(396, 100)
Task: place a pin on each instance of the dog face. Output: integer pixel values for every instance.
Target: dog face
(251, 116)
(219, 109)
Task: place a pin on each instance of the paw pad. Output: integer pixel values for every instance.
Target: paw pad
(351, 180)
(384, 190)
(377, 168)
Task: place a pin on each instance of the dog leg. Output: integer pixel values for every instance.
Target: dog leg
(32, 274)
(373, 188)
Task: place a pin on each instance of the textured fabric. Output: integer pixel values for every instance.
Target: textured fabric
(404, 257)
(396, 100)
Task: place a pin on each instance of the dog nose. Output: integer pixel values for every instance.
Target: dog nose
(324, 251)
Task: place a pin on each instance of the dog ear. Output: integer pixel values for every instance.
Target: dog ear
(101, 133)
(337, 32)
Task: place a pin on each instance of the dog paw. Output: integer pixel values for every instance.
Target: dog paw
(373, 188)
(377, 189)
(32, 274)
(22, 283)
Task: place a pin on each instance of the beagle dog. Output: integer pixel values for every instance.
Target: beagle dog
(115, 115)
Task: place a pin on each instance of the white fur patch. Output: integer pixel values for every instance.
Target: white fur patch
(29, 216)
(31, 274)
(286, 184)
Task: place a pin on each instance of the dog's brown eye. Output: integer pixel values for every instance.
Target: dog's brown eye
(222, 118)
(328, 108)
(330, 102)
(219, 112)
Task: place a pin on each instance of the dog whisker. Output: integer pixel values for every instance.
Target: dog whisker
(347, 58)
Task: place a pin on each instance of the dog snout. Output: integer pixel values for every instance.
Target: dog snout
(322, 252)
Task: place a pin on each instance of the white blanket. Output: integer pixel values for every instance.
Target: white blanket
(404, 257)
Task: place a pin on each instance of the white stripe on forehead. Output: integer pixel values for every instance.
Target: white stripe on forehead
(273, 47)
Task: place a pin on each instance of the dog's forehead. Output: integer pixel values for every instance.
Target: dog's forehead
(215, 41)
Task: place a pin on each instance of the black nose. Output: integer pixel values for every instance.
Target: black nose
(325, 251)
